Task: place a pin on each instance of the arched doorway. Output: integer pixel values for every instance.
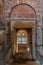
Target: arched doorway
(24, 43)
(22, 40)
(19, 14)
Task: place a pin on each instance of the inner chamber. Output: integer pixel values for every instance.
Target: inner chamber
(24, 42)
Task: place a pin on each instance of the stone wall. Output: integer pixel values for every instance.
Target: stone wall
(12, 3)
(36, 4)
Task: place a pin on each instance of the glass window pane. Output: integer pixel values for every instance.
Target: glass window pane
(24, 40)
(18, 40)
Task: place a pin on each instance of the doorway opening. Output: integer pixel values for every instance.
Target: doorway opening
(23, 46)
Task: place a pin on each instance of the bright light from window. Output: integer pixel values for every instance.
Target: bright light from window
(22, 40)
(19, 40)
(23, 33)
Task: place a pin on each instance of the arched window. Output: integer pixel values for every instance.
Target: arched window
(22, 37)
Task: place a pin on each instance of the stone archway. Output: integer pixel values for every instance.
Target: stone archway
(21, 12)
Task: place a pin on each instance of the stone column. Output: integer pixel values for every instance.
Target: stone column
(42, 24)
(39, 26)
(33, 40)
(8, 37)
(15, 41)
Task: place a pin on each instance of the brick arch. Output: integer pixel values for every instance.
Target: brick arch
(19, 9)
